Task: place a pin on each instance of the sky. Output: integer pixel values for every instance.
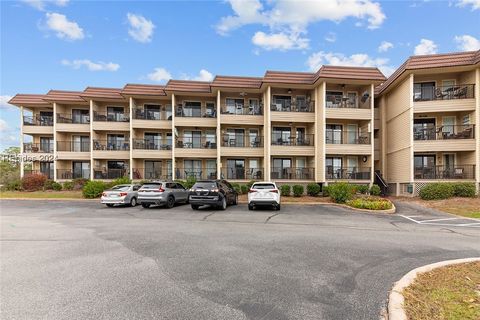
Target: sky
(69, 45)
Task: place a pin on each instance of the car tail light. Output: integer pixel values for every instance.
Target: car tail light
(104, 194)
(274, 191)
(252, 191)
(123, 194)
(159, 190)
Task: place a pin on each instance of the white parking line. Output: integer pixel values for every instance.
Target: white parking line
(438, 222)
(433, 220)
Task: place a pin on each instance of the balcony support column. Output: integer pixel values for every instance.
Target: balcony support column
(219, 145)
(174, 136)
(22, 164)
(131, 105)
(267, 128)
(372, 130)
(320, 132)
(91, 140)
(55, 141)
(477, 127)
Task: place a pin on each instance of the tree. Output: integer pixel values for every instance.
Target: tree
(10, 165)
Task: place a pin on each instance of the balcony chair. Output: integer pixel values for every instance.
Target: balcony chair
(257, 175)
(305, 172)
(458, 173)
(439, 94)
(460, 93)
(256, 142)
(180, 144)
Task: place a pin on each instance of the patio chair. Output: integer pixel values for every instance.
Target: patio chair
(460, 93)
(458, 173)
(439, 94)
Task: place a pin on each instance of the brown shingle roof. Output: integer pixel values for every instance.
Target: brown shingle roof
(103, 93)
(288, 77)
(28, 100)
(353, 73)
(64, 96)
(144, 90)
(188, 86)
(445, 60)
(237, 82)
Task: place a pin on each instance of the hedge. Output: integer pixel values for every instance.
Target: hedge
(370, 203)
(445, 190)
(341, 192)
(93, 189)
(285, 190)
(313, 189)
(375, 190)
(297, 190)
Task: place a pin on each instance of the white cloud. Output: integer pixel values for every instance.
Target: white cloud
(141, 29)
(4, 101)
(61, 3)
(331, 37)
(4, 126)
(64, 28)
(279, 41)
(467, 43)
(316, 60)
(425, 46)
(41, 4)
(159, 75)
(385, 46)
(90, 65)
(466, 3)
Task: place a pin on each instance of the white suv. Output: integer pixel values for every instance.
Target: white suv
(264, 194)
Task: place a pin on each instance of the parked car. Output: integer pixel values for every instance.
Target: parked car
(217, 193)
(121, 194)
(263, 194)
(162, 193)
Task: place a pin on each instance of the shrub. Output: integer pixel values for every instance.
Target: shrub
(250, 183)
(236, 187)
(297, 190)
(93, 189)
(244, 188)
(362, 188)
(341, 192)
(370, 203)
(326, 191)
(375, 190)
(313, 189)
(68, 185)
(56, 186)
(14, 185)
(79, 183)
(122, 180)
(285, 190)
(48, 184)
(464, 189)
(437, 191)
(189, 182)
(33, 182)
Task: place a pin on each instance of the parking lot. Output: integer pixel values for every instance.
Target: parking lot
(81, 260)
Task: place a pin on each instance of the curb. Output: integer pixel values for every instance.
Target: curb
(395, 298)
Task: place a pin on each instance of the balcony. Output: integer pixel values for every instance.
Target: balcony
(151, 174)
(68, 174)
(111, 149)
(67, 122)
(152, 149)
(242, 114)
(292, 174)
(347, 142)
(444, 138)
(242, 174)
(73, 150)
(339, 106)
(198, 173)
(150, 119)
(193, 117)
(111, 121)
(292, 112)
(109, 174)
(444, 98)
(242, 145)
(38, 147)
(196, 146)
(457, 172)
(278, 139)
(293, 107)
(347, 173)
(37, 124)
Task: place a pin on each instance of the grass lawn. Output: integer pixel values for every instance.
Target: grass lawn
(448, 293)
(41, 194)
(466, 207)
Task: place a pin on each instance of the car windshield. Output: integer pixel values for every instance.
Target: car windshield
(120, 188)
(151, 186)
(205, 185)
(263, 186)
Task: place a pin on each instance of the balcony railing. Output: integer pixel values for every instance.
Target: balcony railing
(242, 141)
(447, 132)
(108, 145)
(111, 117)
(242, 173)
(459, 172)
(151, 174)
(462, 91)
(242, 110)
(184, 112)
(38, 120)
(73, 146)
(148, 144)
(49, 173)
(279, 139)
(198, 173)
(293, 107)
(68, 174)
(109, 173)
(38, 147)
(346, 137)
(152, 115)
(338, 101)
(69, 118)
(347, 173)
(293, 173)
(196, 142)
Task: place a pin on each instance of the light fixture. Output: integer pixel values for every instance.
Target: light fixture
(364, 159)
(289, 91)
(290, 124)
(243, 94)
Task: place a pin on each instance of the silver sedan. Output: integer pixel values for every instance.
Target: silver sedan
(121, 194)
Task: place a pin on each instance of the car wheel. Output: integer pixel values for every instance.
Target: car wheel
(235, 201)
(146, 205)
(250, 206)
(133, 202)
(170, 202)
(109, 205)
(278, 207)
(223, 206)
(195, 206)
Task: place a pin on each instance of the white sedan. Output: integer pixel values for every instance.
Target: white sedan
(264, 194)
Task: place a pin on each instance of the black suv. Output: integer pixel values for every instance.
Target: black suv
(218, 193)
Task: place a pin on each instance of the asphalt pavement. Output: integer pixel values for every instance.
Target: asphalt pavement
(81, 260)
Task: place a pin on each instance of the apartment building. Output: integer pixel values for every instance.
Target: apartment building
(337, 124)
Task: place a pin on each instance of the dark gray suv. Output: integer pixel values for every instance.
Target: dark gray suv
(217, 193)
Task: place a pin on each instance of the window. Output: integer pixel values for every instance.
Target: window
(192, 139)
(153, 169)
(282, 103)
(152, 140)
(334, 99)
(254, 138)
(334, 167)
(424, 166)
(46, 118)
(211, 169)
(424, 129)
(152, 111)
(448, 126)
(46, 168)
(281, 136)
(235, 169)
(192, 168)
(423, 91)
(192, 109)
(352, 133)
(80, 116)
(235, 138)
(210, 110)
(301, 102)
(46, 144)
(210, 139)
(282, 168)
(168, 112)
(116, 169)
(81, 170)
(80, 144)
(115, 114)
(253, 106)
(116, 142)
(234, 106)
(334, 133)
